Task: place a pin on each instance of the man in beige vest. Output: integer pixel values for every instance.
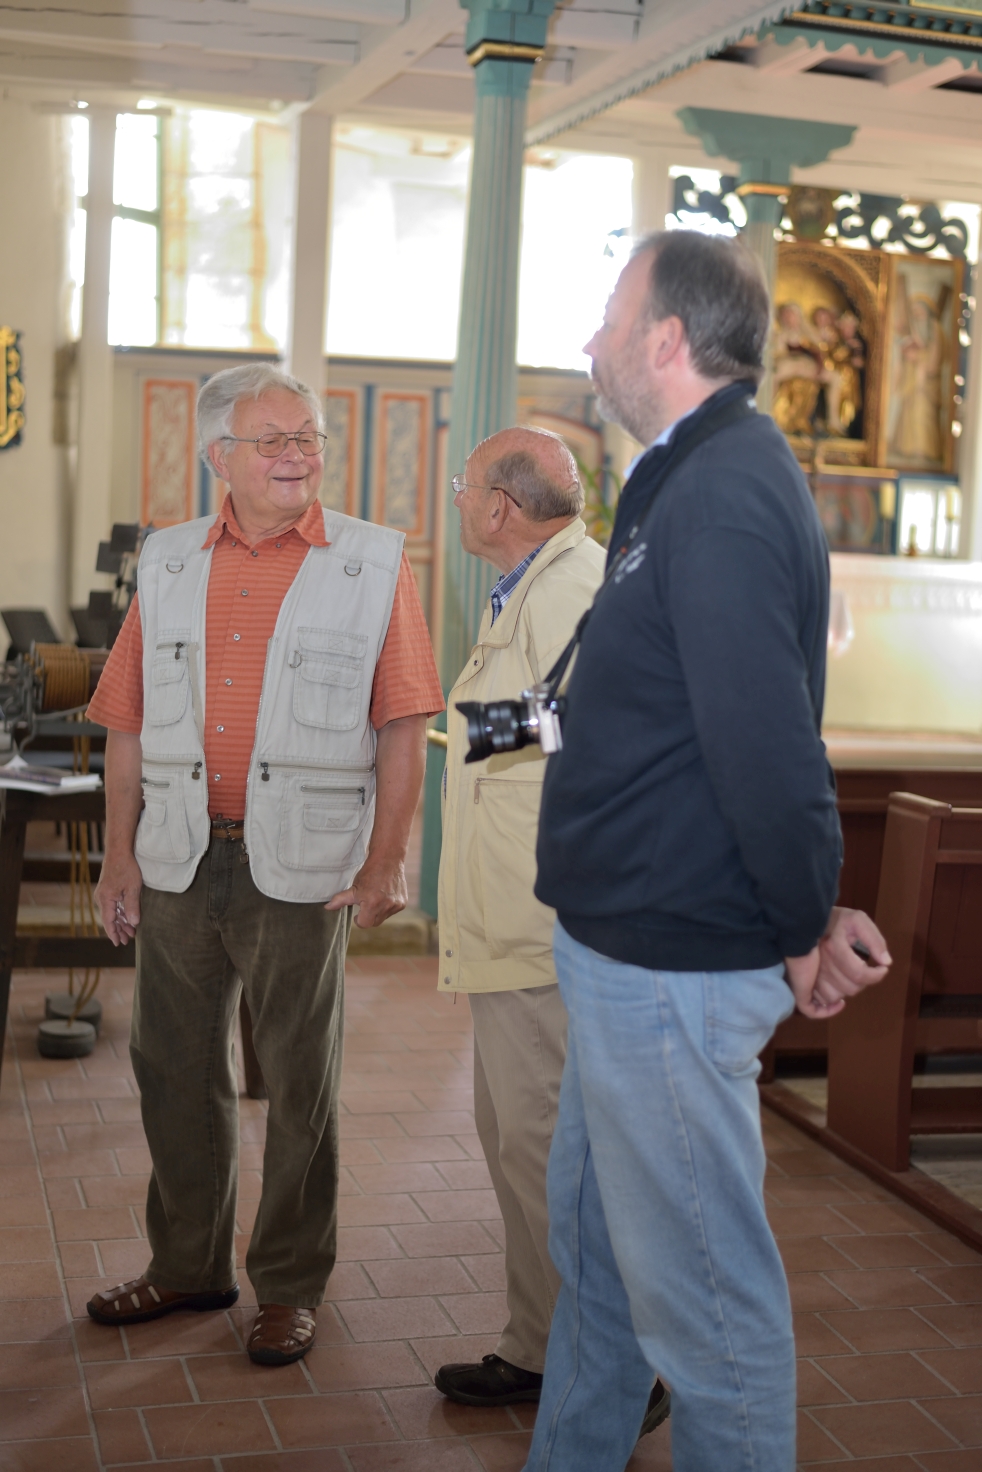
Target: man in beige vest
(519, 501)
(272, 678)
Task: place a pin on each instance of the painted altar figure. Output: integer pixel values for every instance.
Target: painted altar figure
(842, 359)
(916, 432)
(798, 371)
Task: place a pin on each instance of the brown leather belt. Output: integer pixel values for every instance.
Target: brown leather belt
(234, 832)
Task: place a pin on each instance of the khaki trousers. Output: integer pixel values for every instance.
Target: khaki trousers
(519, 1051)
(191, 951)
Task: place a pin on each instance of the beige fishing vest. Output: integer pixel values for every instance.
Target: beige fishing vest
(310, 795)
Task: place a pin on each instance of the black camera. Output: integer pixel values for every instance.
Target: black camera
(508, 725)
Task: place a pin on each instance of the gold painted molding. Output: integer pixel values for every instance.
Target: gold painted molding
(11, 388)
(504, 51)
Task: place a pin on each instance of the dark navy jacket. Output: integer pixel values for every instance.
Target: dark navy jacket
(689, 822)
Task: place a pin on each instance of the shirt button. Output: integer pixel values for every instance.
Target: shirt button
(218, 776)
(228, 682)
(254, 552)
(278, 546)
(236, 637)
(245, 592)
(219, 728)
(450, 953)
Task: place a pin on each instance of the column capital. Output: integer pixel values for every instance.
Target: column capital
(503, 35)
(767, 149)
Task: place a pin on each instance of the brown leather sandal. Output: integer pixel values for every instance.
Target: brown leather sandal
(139, 1301)
(281, 1334)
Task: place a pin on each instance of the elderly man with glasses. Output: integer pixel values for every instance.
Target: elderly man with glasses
(519, 501)
(266, 703)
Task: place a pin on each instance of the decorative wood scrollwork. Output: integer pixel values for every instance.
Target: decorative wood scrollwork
(920, 233)
(11, 389)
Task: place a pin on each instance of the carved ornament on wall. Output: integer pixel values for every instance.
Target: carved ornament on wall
(11, 389)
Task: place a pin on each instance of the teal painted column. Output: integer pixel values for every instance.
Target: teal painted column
(767, 149)
(504, 39)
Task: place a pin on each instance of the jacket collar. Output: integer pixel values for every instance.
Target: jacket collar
(502, 631)
(309, 526)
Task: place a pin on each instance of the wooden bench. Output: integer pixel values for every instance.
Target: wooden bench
(929, 908)
(862, 799)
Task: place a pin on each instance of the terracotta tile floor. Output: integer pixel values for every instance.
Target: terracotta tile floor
(889, 1308)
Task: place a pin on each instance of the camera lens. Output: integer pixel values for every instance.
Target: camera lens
(499, 726)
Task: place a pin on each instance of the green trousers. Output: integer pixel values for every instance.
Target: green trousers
(192, 952)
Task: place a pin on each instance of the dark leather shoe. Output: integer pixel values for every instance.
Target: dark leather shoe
(281, 1334)
(659, 1408)
(494, 1382)
(138, 1301)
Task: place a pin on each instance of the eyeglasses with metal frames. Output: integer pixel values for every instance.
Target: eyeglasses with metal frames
(270, 446)
(460, 485)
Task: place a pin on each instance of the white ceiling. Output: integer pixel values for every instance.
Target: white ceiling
(613, 76)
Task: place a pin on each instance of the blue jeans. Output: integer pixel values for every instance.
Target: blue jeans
(658, 1230)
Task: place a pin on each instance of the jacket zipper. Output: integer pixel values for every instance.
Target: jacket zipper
(316, 766)
(163, 761)
(346, 791)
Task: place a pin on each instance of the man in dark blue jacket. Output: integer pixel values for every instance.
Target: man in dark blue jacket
(690, 844)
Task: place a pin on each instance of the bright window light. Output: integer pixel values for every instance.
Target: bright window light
(135, 166)
(133, 283)
(400, 204)
(226, 230)
(576, 224)
(76, 272)
(78, 143)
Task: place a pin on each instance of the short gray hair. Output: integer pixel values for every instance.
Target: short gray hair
(716, 288)
(543, 498)
(218, 397)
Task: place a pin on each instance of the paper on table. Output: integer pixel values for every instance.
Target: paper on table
(22, 777)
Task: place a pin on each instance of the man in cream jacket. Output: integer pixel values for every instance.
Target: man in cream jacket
(519, 501)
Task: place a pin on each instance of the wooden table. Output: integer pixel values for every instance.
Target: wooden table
(17, 809)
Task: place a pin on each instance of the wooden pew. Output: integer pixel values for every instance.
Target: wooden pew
(929, 908)
(862, 797)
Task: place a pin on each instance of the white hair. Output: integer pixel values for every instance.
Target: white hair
(217, 399)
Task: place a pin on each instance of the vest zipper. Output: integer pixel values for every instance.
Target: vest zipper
(310, 787)
(163, 761)
(149, 782)
(315, 766)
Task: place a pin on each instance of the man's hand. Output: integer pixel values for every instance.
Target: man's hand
(378, 889)
(118, 890)
(822, 980)
(118, 897)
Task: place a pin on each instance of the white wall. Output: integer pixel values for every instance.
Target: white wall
(34, 185)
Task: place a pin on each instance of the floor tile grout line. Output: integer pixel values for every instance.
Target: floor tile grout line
(59, 1268)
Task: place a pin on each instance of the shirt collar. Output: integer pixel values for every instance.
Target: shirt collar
(310, 526)
(509, 581)
(662, 439)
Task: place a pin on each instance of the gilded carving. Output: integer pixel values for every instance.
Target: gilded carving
(11, 389)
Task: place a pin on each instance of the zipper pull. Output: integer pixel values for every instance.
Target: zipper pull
(177, 649)
(477, 792)
(265, 775)
(196, 772)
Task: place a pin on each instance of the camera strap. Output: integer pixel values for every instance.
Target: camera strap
(733, 412)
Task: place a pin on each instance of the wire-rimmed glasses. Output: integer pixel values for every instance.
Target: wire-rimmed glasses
(271, 446)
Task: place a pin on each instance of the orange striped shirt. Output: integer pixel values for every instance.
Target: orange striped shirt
(246, 586)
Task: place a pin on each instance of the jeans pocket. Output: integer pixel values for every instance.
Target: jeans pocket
(742, 1010)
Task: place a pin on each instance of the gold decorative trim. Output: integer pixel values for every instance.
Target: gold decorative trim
(896, 33)
(503, 51)
(11, 389)
(778, 191)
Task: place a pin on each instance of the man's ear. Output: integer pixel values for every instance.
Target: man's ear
(216, 458)
(667, 339)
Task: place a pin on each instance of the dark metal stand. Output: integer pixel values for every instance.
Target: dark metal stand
(17, 809)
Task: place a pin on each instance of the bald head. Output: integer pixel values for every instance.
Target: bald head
(537, 468)
(521, 489)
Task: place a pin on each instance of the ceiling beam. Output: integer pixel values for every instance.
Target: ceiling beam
(904, 75)
(785, 61)
(428, 23)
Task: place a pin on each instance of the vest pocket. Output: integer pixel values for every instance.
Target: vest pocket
(327, 687)
(320, 831)
(167, 697)
(162, 832)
